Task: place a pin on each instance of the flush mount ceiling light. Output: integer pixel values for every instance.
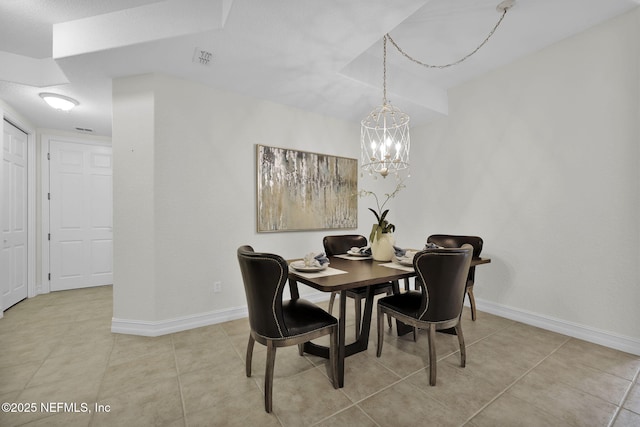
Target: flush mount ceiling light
(59, 102)
(384, 133)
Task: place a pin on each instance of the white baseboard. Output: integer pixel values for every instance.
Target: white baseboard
(586, 333)
(162, 327)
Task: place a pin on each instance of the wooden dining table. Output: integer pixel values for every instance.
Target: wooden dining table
(354, 274)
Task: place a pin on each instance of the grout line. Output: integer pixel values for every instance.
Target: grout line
(624, 399)
(508, 387)
(175, 360)
(104, 374)
(417, 371)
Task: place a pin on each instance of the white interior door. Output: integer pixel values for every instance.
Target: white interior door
(13, 248)
(80, 215)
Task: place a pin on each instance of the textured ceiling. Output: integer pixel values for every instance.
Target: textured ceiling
(321, 56)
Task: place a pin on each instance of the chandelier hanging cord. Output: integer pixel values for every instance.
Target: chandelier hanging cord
(409, 57)
(384, 69)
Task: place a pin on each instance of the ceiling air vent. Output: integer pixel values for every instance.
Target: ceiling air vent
(202, 56)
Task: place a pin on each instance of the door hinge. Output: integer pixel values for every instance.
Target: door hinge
(48, 196)
(49, 237)
(49, 276)
(48, 156)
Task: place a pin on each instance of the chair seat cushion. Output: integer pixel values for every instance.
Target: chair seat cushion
(301, 316)
(407, 303)
(378, 289)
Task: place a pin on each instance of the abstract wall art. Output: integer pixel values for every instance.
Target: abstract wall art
(299, 190)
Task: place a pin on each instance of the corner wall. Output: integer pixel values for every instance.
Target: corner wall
(541, 159)
(185, 198)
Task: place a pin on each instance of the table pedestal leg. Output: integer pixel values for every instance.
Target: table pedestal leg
(344, 350)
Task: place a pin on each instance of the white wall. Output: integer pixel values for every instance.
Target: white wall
(185, 198)
(541, 159)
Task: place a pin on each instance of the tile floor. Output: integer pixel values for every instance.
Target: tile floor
(57, 349)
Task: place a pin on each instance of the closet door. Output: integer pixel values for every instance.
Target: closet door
(13, 243)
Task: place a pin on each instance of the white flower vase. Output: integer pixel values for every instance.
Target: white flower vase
(382, 249)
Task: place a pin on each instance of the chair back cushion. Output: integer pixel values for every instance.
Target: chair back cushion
(336, 245)
(451, 241)
(443, 276)
(264, 276)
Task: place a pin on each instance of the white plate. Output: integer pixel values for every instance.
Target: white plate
(357, 254)
(405, 261)
(299, 266)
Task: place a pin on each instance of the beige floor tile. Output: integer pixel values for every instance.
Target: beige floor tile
(239, 344)
(511, 411)
(531, 344)
(127, 348)
(59, 347)
(606, 359)
(496, 364)
(456, 387)
(404, 356)
(210, 386)
(16, 377)
(247, 410)
(364, 376)
(632, 401)
(129, 375)
(562, 401)
(288, 362)
(627, 419)
(80, 343)
(200, 336)
(192, 357)
(62, 420)
(306, 398)
(403, 396)
(485, 325)
(81, 364)
(143, 404)
(237, 327)
(32, 345)
(584, 378)
(76, 392)
(352, 417)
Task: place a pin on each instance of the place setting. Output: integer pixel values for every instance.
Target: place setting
(314, 265)
(402, 259)
(357, 254)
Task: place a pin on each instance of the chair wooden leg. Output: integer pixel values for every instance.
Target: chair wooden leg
(301, 349)
(432, 354)
(249, 355)
(358, 316)
(333, 357)
(380, 330)
(268, 377)
(332, 299)
(472, 301)
(391, 293)
(463, 349)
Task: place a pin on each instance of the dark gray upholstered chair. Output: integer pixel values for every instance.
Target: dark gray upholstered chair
(451, 241)
(438, 304)
(340, 244)
(277, 323)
